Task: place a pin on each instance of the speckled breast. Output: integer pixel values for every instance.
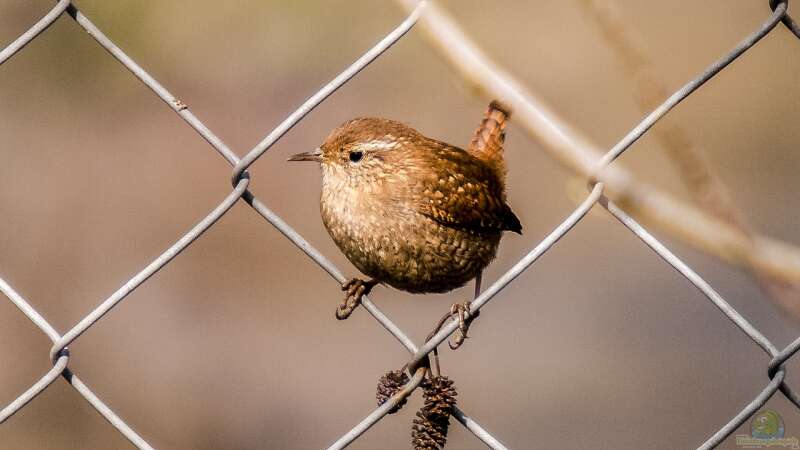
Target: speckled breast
(403, 248)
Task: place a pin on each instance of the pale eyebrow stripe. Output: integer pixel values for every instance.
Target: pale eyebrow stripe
(377, 145)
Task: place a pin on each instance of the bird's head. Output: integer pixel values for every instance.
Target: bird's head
(364, 148)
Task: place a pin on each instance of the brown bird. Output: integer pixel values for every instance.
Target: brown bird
(413, 212)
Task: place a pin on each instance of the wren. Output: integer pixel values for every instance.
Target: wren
(413, 212)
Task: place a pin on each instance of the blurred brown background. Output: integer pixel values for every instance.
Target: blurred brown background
(234, 344)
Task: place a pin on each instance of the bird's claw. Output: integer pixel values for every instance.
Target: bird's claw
(465, 318)
(355, 289)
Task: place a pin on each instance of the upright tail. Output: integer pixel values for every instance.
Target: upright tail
(487, 142)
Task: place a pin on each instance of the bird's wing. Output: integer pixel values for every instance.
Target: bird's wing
(463, 192)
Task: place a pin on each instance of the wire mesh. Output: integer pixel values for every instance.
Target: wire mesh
(240, 180)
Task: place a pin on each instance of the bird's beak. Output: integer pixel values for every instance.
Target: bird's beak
(316, 155)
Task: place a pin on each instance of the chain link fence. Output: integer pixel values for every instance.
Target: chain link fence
(240, 181)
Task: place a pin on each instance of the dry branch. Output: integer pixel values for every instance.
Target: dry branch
(707, 189)
(568, 146)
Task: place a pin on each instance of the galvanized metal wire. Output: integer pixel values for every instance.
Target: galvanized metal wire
(60, 355)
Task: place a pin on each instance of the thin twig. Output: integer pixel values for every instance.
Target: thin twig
(569, 147)
(707, 189)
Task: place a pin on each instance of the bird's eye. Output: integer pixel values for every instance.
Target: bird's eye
(356, 156)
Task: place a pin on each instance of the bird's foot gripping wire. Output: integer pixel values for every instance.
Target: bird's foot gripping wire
(465, 318)
(355, 289)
